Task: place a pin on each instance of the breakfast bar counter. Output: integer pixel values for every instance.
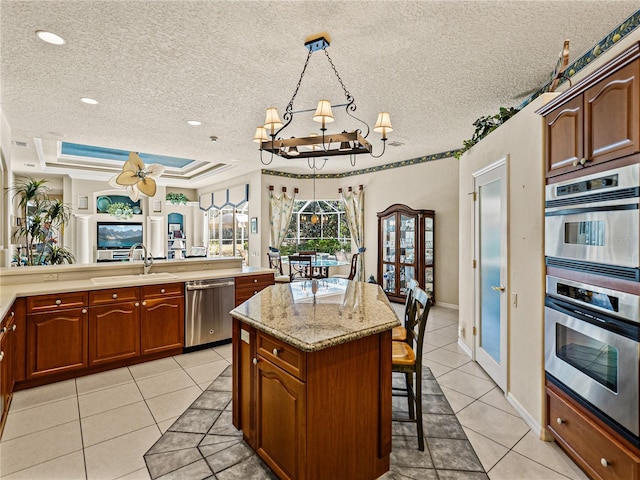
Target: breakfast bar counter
(312, 378)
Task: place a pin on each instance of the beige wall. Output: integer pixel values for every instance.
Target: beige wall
(430, 185)
(521, 141)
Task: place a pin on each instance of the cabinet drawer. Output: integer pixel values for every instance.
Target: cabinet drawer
(289, 358)
(163, 290)
(593, 448)
(258, 281)
(114, 295)
(43, 303)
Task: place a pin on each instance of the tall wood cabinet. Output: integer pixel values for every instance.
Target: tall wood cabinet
(406, 250)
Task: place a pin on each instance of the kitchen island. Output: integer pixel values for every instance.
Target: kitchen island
(312, 378)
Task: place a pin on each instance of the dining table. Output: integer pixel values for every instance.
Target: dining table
(321, 265)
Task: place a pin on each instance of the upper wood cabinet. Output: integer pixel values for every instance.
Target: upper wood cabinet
(597, 120)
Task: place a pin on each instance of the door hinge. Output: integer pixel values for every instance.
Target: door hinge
(475, 196)
(474, 331)
(473, 263)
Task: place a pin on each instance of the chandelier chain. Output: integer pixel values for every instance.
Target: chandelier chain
(304, 69)
(346, 92)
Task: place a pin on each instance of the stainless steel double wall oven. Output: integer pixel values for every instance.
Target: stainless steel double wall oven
(592, 310)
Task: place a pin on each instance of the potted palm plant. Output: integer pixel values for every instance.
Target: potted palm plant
(40, 216)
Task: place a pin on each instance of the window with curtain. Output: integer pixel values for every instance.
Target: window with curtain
(228, 232)
(329, 234)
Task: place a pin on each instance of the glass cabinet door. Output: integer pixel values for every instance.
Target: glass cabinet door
(407, 251)
(428, 254)
(389, 254)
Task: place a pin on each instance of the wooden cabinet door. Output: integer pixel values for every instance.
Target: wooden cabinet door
(57, 342)
(114, 332)
(5, 371)
(564, 130)
(244, 351)
(612, 116)
(162, 324)
(281, 421)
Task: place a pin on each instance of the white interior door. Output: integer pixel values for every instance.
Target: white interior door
(491, 295)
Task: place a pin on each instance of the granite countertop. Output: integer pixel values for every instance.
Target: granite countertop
(10, 291)
(343, 311)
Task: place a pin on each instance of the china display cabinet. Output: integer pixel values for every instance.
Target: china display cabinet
(405, 250)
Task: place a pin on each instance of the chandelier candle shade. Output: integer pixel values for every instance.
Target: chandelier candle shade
(350, 143)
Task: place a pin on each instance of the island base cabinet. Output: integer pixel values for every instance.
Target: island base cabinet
(57, 342)
(314, 415)
(281, 418)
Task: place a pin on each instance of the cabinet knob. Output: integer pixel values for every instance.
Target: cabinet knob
(275, 352)
(255, 292)
(13, 327)
(12, 314)
(144, 304)
(604, 463)
(1, 355)
(58, 302)
(255, 361)
(255, 280)
(583, 161)
(137, 304)
(84, 310)
(559, 421)
(115, 295)
(162, 290)
(3, 330)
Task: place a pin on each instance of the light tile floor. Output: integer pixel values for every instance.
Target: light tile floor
(99, 426)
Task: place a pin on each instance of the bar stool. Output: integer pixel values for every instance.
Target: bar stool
(400, 333)
(407, 359)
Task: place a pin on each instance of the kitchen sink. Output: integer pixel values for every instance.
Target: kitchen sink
(132, 277)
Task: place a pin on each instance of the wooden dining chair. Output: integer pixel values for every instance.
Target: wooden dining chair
(275, 263)
(400, 332)
(406, 358)
(299, 267)
(352, 271)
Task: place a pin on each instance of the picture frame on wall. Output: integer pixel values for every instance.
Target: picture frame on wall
(174, 227)
(157, 206)
(254, 224)
(83, 203)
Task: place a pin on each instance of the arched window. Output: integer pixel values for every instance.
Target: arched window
(329, 234)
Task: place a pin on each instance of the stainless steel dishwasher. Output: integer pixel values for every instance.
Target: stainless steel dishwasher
(207, 308)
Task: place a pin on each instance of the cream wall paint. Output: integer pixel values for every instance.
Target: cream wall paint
(521, 141)
(429, 185)
(521, 138)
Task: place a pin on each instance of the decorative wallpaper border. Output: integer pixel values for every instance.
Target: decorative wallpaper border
(618, 33)
(362, 171)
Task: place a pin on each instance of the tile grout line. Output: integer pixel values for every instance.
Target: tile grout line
(84, 457)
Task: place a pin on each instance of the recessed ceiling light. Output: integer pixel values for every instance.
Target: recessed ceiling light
(50, 37)
(195, 123)
(89, 101)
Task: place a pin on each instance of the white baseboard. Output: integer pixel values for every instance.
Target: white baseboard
(465, 348)
(525, 415)
(448, 305)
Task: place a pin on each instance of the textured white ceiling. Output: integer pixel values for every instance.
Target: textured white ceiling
(435, 65)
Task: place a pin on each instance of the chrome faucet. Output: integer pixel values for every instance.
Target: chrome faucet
(147, 259)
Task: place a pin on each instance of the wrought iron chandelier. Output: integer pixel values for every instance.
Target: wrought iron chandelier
(345, 143)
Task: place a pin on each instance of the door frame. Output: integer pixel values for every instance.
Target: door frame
(498, 372)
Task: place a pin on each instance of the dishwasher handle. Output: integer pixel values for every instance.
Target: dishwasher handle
(208, 286)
